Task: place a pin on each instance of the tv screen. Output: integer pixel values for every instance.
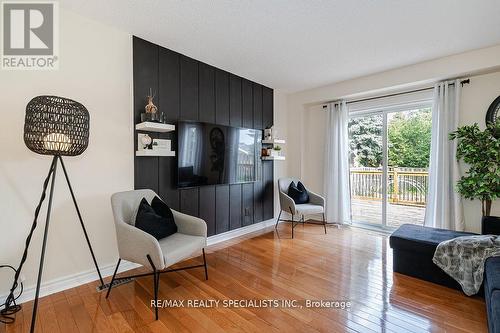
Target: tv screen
(211, 154)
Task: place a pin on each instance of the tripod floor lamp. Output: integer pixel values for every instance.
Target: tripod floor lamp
(58, 127)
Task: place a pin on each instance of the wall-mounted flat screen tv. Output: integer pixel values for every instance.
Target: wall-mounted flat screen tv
(211, 154)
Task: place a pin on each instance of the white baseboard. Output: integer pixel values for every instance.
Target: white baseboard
(239, 232)
(75, 280)
(70, 281)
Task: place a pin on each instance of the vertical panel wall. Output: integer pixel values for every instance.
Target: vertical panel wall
(221, 97)
(145, 78)
(189, 88)
(189, 201)
(207, 208)
(221, 208)
(186, 89)
(235, 101)
(234, 206)
(247, 103)
(207, 93)
(247, 207)
(168, 96)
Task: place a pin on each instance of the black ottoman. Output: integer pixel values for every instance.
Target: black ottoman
(413, 248)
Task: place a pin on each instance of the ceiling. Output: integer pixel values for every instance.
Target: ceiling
(296, 45)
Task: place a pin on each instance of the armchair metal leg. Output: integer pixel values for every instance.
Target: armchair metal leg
(324, 222)
(156, 282)
(205, 264)
(278, 220)
(113, 278)
(303, 220)
(156, 278)
(292, 225)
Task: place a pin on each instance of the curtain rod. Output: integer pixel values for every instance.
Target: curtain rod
(466, 81)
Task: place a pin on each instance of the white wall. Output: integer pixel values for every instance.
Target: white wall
(281, 128)
(476, 98)
(306, 159)
(96, 70)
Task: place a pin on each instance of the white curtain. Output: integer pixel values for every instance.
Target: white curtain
(337, 192)
(444, 206)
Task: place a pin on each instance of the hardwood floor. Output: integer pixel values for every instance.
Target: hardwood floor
(346, 264)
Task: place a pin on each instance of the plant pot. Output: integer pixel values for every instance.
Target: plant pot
(490, 225)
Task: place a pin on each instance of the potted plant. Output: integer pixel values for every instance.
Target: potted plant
(277, 150)
(481, 151)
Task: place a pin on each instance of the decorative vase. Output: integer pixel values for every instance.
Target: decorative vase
(490, 225)
(150, 107)
(152, 113)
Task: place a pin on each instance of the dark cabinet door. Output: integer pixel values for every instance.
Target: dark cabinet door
(247, 103)
(258, 201)
(189, 88)
(168, 93)
(235, 206)
(221, 208)
(207, 207)
(167, 187)
(268, 190)
(145, 69)
(167, 174)
(207, 93)
(257, 106)
(267, 106)
(235, 100)
(189, 201)
(221, 97)
(247, 204)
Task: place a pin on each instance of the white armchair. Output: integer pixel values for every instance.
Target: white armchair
(139, 247)
(316, 204)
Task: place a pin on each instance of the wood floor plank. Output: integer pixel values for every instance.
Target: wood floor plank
(347, 264)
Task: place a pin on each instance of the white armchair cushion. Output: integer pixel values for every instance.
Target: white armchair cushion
(180, 246)
(308, 209)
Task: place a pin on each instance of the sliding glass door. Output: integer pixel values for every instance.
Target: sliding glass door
(389, 159)
(366, 168)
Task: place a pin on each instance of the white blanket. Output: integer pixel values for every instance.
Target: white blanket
(463, 259)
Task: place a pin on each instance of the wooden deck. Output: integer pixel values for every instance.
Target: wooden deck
(368, 211)
(347, 264)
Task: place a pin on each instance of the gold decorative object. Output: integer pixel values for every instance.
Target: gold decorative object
(150, 107)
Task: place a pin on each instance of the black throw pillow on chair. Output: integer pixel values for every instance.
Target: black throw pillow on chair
(162, 209)
(298, 193)
(302, 188)
(152, 222)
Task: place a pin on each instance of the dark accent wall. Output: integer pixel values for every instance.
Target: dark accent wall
(187, 89)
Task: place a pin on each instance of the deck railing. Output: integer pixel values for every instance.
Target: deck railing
(406, 186)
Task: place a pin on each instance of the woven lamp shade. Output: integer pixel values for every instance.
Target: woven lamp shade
(56, 126)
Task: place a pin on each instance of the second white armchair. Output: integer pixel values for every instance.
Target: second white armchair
(316, 204)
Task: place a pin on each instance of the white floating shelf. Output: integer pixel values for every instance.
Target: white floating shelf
(274, 141)
(151, 152)
(149, 126)
(273, 158)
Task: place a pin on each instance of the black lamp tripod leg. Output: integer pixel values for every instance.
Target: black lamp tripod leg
(44, 245)
(81, 221)
(113, 278)
(10, 302)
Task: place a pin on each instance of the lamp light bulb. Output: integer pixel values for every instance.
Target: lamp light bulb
(57, 142)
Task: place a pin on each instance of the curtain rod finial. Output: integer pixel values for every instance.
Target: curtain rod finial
(467, 81)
